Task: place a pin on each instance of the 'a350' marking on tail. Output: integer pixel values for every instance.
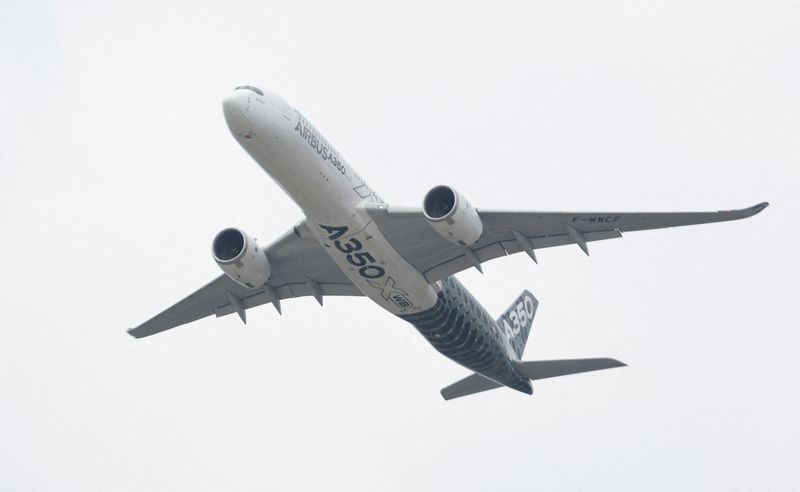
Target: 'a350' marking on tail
(519, 315)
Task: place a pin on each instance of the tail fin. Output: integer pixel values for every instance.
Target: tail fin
(517, 321)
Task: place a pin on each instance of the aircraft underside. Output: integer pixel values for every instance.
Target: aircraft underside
(461, 329)
(351, 243)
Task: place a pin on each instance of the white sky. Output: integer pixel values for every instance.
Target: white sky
(117, 170)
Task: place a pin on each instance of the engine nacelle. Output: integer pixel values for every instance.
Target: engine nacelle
(241, 258)
(452, 216)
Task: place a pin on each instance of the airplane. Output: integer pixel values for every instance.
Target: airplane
(352, 243)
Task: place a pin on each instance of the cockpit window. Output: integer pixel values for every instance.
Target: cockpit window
(251, 88)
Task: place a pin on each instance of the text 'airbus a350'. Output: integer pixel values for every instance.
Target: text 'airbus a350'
(351, 243)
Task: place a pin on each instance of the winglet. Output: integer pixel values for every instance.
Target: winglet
(758, 208)
(743, 213)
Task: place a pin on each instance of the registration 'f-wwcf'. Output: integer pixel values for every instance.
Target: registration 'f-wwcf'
(352, 243)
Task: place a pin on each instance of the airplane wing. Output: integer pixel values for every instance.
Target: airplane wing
(508, 232)
(300, 267)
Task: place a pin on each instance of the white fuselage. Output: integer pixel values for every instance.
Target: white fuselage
(331, 196)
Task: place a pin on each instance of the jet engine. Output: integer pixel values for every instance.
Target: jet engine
(452, 216)
(241, 258)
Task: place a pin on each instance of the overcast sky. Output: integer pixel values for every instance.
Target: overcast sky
(117, 170)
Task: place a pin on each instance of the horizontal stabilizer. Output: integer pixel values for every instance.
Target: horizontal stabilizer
(469, 385)
(542, 369)
(535, 369)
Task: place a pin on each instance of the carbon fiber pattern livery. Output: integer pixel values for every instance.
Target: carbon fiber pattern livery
(461, 329)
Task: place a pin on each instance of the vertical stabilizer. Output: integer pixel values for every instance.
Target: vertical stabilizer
(516, 321)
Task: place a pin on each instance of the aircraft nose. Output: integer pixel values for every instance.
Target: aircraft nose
(235, 107)
(235, 101)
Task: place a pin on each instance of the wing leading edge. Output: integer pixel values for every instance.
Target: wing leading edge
(509, 232)
(300, 267)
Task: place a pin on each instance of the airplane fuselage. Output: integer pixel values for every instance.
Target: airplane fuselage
(351, 243)
(332, 196)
